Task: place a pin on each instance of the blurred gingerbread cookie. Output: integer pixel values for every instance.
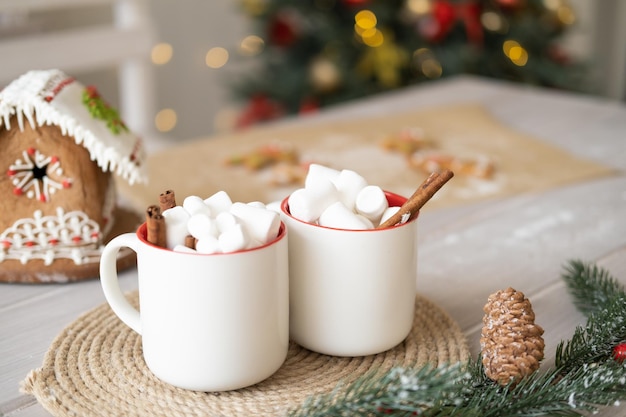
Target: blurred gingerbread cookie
(266, 155)
(434, 161)
(406, 141)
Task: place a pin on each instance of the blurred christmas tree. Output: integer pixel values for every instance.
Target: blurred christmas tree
(319, 52)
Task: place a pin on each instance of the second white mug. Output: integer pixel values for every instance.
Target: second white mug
(352, 292)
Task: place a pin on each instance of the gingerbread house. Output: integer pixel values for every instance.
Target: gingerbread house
(60, 144)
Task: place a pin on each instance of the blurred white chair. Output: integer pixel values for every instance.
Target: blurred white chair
(123, 44)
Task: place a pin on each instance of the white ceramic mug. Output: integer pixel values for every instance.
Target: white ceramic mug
(208, 322)
(352, 292)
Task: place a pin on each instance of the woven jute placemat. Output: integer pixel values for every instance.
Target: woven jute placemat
(95, 367)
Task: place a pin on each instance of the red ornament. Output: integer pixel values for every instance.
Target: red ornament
(260, 108)
(447, 14)
(510, 4)
(619, 352)
(308, 106)
(558, 55)
(283, 30)
(354, 3)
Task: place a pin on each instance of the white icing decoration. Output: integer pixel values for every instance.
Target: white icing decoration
(24, 179)
(26, 98)
(70, 235)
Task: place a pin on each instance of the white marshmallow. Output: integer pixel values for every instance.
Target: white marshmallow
(339, 216)
(367, 222)
(194, 204)
(371, 202)
(200, 226)
(183, 248)
(257, 204)
(349, 184)
(175, 226)
(219, 202)
(225, 220)
(208, 245)
(390, 211)
(317, 172)
(261, 224)
(233, 239)
(307, 204)
(274, 206)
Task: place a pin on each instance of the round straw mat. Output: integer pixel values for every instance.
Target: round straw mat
(95, 367)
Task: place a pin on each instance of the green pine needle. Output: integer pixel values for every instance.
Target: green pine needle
(591, 287)
(585, 378)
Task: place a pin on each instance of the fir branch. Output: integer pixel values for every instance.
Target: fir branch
(591, 287)
(581, 391)
(595, 341)
(398, 392)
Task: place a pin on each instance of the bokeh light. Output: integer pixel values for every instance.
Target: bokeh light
(365, 19)
(366, 30)
(161, 53)
(515, 52)
(566, 15)
(165, 120)
(425, 62)
(431, 68)
(419, 7)
(373, 38)
(493, 22)
(251, 45)
(216, 57)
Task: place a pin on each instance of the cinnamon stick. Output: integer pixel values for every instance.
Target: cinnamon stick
(167, 200)
(155, 225)
(190, 242)
(422, 194)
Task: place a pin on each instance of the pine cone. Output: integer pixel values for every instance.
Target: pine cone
(511, 342)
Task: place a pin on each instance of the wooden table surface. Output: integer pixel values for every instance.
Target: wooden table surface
(466, 252)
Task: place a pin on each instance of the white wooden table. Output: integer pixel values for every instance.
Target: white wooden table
(465, 253)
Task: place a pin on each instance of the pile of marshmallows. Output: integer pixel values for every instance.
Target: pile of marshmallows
(330, 198)
(219, 225)
(339, 199)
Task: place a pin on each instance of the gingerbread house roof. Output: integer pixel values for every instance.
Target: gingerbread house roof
(53, 98)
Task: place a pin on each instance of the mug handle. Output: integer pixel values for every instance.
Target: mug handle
(110, 283)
